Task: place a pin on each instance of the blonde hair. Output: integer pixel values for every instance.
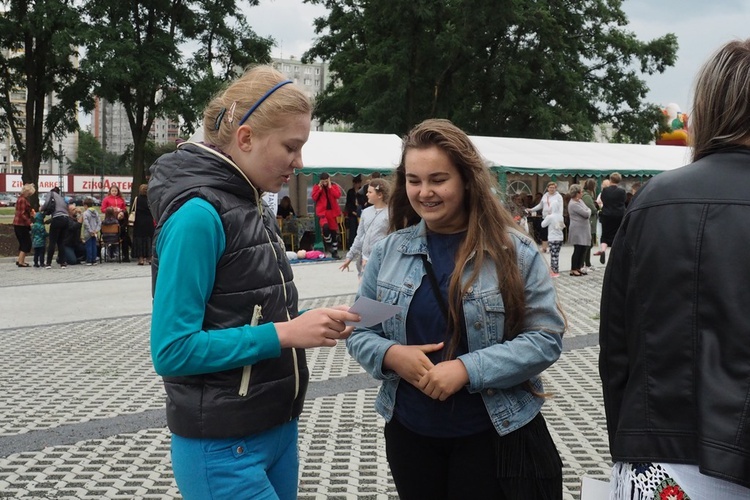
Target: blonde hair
(721, 106)
(223, 114)
(28, 189)
(615, 178)
(143, 189)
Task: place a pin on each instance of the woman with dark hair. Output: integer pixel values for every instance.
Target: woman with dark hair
(460, 365)
(285, 209)
(56, 207)
(613, 210)
(143, 227)
(674, 330)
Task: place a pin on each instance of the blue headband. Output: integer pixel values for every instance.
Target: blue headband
(263, 98)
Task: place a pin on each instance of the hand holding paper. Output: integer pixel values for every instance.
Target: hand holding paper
(372, 312)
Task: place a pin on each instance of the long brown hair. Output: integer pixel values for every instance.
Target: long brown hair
(721, 106)
(487, 234)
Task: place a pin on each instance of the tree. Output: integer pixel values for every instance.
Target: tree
(514, 68)
(153, 152)
(135, 56)
(38, 56)
(92, 159)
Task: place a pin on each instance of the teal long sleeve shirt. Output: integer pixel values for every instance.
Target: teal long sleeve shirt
(189, 247)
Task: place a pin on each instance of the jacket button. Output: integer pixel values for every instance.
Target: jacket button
(506, 423)
(478, 325)
(490, 392)
(470, 290)
(240, 450)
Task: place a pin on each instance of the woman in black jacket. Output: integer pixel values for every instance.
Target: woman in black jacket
(674, 332)
(143, 227)
(613, 210)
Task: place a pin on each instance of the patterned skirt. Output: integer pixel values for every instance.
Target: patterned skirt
(644, 481)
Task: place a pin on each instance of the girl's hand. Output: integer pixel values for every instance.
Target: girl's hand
(345, 265)
(410, 362)
(444, 380)
(317, 328)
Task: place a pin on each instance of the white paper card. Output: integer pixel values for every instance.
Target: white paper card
(372, 312)
(594, 489)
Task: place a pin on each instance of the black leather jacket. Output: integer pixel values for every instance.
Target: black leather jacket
(253, 271)
(675, 321)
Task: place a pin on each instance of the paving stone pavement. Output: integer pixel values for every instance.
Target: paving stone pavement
(81, 412)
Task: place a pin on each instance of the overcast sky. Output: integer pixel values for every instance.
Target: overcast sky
(701, 27)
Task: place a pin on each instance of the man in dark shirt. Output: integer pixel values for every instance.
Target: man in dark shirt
(353, 210)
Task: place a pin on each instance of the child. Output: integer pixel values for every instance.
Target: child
(91, 226)
(555, 225)
(39, 239)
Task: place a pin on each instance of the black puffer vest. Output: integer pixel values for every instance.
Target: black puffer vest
(253, 271)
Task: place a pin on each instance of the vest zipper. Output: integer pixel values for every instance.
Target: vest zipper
(247, 370)
(283, 287)
(259, 202)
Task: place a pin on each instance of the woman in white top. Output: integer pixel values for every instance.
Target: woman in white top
(551, 202)
(373, 225)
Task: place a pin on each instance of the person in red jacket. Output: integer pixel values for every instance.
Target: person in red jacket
(326, 196)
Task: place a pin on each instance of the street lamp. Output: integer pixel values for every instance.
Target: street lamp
(59, 167)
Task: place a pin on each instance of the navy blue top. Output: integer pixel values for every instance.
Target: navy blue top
(463, 413)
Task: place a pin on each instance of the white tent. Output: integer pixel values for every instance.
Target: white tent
(547, 157)
(355, 153)
(350, 153)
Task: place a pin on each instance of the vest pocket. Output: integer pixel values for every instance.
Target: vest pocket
(247, 370)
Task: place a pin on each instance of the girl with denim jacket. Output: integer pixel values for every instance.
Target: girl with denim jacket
(479, 322)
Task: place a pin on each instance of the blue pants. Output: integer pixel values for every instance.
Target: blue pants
(263, 466)
(91, 250)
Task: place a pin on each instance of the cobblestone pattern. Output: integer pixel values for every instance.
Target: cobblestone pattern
(579, 300)
(16, 276)
(127, 466)
(77, 372)
(71, 373)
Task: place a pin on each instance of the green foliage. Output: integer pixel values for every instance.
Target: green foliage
(135, 58)
(38, 42)
(538, 69)
(92, 159)
(153, 152)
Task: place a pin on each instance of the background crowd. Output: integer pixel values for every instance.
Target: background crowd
(72, 234)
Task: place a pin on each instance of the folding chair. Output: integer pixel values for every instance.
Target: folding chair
(342, 230)
(111, 241)
(288, 235)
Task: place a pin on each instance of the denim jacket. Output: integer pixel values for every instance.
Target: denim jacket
(497, 369)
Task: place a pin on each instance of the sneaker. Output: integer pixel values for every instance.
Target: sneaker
(48, 267)
(36, 265)
(554, 275)
(335, 256)
(63, 266)
(89, 264)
